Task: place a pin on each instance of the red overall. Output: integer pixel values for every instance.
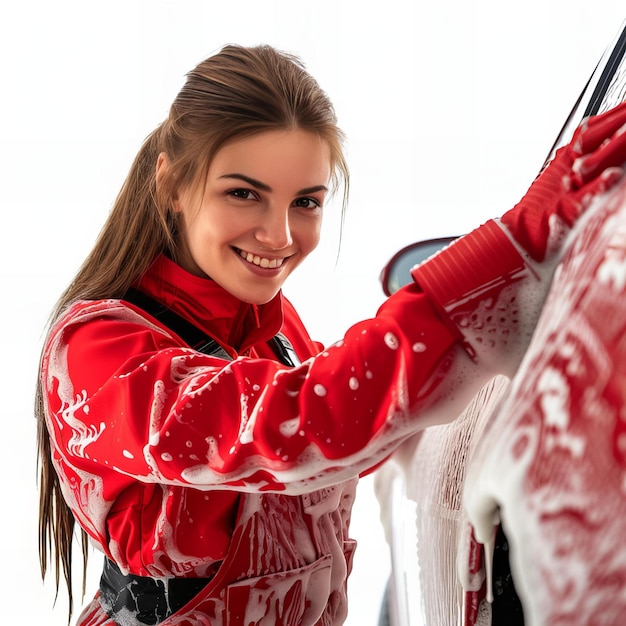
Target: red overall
(180, 464)
(266, 578)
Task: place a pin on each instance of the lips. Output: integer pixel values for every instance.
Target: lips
(260, 261)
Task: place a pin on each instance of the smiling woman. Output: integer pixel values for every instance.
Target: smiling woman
(259, 214)
(201, 439)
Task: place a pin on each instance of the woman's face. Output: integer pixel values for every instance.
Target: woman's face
(259, 214)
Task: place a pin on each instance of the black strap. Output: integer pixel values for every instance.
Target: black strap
(197, 338)
(284, 350)
(192, 335)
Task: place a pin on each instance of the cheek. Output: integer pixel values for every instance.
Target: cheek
(203, 232)
(310, 236)
(314, 240)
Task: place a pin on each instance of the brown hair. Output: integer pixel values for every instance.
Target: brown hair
(238, 92)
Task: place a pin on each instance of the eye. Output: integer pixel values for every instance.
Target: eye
(307, 203)
(242, 193)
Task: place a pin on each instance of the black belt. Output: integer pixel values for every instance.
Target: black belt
(151, 600)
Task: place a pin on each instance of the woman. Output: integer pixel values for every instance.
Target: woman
(187, 421)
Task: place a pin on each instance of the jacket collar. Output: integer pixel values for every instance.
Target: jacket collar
(203, 302)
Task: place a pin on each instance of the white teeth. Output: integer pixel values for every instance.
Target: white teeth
(260, 261)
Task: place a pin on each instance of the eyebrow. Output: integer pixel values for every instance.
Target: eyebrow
(263, 187)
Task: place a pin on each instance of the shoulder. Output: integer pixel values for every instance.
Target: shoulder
(84, 312)
(106, 332)
(93, 341)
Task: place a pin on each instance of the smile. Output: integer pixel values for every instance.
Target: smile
(260, 261)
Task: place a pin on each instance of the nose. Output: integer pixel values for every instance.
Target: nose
(274, 231)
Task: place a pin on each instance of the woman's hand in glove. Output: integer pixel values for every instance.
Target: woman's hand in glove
(490, 285)
(589, 165)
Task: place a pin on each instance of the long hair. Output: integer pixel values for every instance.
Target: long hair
(236, 93)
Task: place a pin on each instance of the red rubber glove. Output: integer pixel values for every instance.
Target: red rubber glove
(590, 164)
(486, 288)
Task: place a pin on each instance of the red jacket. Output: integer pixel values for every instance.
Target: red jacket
(155, 443)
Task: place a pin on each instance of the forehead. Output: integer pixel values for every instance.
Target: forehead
(275, 154)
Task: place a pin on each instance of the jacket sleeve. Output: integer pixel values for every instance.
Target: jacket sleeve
(128, 395)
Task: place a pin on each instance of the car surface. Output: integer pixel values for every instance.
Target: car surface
(544, 453)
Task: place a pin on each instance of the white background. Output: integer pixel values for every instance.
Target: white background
(449, 107)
